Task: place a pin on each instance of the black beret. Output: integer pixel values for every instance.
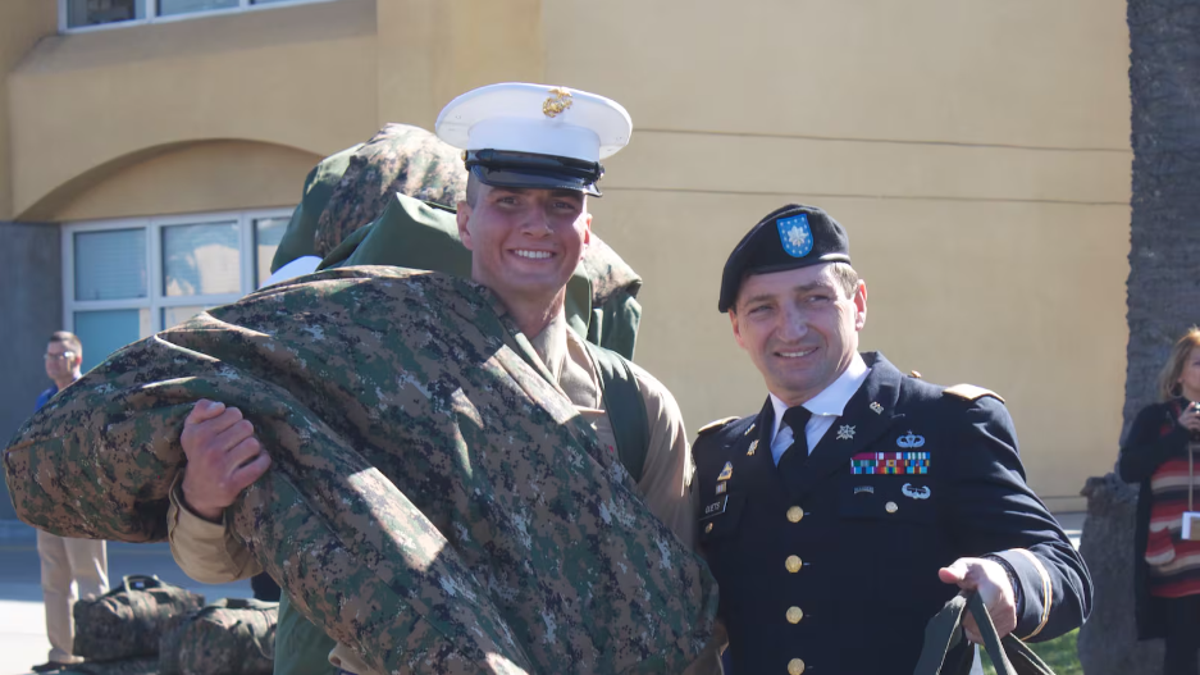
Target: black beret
(788, 237)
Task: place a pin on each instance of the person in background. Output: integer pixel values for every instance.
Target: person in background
(71, 568)
(1156, 455)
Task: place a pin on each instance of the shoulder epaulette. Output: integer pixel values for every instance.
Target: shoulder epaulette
(715, 424)
(970, 392)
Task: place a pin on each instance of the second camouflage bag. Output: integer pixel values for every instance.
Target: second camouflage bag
(128, 620)
(229, 637)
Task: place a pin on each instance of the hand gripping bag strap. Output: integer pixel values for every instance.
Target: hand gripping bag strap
(944, 632)
(625, 407)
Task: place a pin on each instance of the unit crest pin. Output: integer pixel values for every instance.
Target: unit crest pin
(753, 447)
(876, 408)
(727, 472)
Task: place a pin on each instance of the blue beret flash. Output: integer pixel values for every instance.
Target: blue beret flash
(789, 237)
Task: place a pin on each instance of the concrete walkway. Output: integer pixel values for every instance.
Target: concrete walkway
(22, 621)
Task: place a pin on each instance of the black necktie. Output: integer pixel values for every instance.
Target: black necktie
(797, 453)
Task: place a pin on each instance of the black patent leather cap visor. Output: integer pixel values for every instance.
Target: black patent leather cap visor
(502, 168)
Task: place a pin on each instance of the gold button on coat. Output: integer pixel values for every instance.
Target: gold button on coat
(794, 614)
(795, 514)
(793, 563)
(708, 527)
(795, 667)
(891, 507)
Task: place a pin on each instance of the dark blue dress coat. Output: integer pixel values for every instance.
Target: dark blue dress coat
(829, 572)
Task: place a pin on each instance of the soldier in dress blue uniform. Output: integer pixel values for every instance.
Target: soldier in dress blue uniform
(843, 515)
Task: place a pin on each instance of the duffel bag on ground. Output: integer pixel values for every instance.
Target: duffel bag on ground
(229, 637)
(128, 620)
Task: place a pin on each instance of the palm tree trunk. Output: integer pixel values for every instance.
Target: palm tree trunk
(1164, 257)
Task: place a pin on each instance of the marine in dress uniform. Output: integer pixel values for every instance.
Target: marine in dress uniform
(829, 561)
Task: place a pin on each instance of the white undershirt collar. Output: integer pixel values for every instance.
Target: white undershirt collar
(825, 407)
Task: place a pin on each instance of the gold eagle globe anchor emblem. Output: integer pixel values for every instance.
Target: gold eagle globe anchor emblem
(556, 104)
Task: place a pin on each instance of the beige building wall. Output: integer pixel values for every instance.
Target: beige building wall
(976, 151)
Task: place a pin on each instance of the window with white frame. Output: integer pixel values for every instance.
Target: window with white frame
(125, 280)
(82, 14)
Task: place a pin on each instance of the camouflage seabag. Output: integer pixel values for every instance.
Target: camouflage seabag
(435, 502)
(128, 620)
(228, 637)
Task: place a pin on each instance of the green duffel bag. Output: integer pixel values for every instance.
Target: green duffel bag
(944, 633)
(138, 665)
(229, 637)
(128, 620)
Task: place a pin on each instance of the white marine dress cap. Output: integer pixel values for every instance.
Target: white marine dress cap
(519, 134)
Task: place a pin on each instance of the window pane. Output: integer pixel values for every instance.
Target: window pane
(201, 259)
(169, 7)
(95, 12)
(103, 333)
(173, 316)
(268, 232)
(110, 265)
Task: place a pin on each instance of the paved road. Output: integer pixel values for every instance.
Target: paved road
(22, 621)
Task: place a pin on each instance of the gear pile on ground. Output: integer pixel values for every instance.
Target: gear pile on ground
(118, 633)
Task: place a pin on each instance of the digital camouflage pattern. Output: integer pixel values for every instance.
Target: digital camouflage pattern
(139, 665)
(128, 620)
(229, 637)
(399, 158)
(435, 503)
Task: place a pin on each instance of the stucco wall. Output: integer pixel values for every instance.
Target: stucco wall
(22, 23)
(984, 180)
(31, 304)
(299, 77)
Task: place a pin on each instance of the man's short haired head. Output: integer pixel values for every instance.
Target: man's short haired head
(67, 338)
(532, 154)
(794, 302)
(64, 343)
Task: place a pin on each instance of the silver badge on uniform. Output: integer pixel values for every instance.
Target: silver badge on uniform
(915, 492)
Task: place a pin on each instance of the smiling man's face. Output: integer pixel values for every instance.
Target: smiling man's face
(799, 327)
(525, 243)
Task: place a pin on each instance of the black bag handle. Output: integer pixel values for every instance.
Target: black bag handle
(138, 582)
(944, 632)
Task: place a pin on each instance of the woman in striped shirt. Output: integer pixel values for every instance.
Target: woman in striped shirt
(1156, 455)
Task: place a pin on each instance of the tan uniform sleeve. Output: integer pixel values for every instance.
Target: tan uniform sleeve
(667, 473)
(665, 485)
(206, 551)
